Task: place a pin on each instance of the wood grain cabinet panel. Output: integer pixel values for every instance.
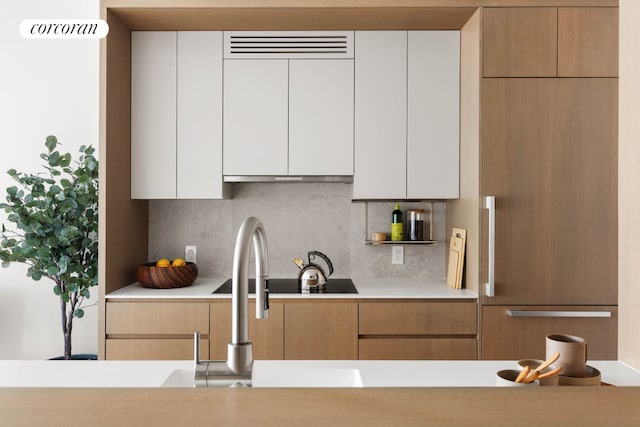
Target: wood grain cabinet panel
(505, 337)
(417, 348)
(549, 156)
(520, 42)
(321, 331)
(165, 318)
(588, 42)
(417, 318)
(266, 335)
(154, 349)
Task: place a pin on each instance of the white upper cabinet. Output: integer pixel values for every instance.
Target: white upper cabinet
(433, 128)
(380, 115)
(199, 107)
(176, 115)
(407, 115)
(255, 117)
(288, 103)
(153, 115)
(321, 117)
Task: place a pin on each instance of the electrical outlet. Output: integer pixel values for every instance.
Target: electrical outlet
(397, 255)
(190, 254)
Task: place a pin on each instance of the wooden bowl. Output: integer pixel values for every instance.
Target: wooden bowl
(151, 276)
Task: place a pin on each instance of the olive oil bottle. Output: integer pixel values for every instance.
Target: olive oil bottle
(397, 231)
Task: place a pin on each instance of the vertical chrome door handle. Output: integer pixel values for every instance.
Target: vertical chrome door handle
(489, 287)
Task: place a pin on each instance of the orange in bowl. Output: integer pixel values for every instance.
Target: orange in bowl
(172, 276)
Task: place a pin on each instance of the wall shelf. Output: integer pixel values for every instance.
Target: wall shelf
(428, 231)
(399, 242)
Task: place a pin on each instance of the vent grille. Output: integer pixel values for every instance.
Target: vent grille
(288, 44)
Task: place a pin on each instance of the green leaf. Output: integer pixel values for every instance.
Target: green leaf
(79, 313)
(36, 275)
(53, 270)
(51, 143)
(12, 191)
(6, 264)
(57, 290)
(12, 172)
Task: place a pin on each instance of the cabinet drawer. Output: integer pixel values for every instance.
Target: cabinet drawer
(507, 337)
(154, 349)
(417, 348)
(417, 318)
(157, 318)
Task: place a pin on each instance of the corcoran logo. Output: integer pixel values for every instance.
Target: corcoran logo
(64, 28)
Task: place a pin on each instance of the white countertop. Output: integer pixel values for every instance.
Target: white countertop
(134, 374)
(203, 287)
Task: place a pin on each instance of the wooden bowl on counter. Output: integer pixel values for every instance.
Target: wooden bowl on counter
(151, 276)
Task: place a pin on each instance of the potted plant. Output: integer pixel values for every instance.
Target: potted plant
(55, 214)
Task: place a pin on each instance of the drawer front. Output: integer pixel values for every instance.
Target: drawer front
(136, 318)
(417, 348)
(522, 335)
(417, 318)
(320, 330)
(154, 349)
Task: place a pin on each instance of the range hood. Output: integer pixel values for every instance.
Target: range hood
(346, 179)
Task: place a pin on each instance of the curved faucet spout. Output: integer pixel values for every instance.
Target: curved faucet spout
(239, 354)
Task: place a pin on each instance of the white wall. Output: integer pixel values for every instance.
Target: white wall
(629, 185)
(47, 87)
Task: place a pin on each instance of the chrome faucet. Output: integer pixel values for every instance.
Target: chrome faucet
(237, 369)
(239, 355)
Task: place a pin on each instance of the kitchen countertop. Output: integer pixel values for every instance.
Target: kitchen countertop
(367, 289)
(33, 393)
(374, 373)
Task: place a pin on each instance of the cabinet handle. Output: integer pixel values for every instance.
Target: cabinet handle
(489, 287)
(534, 313)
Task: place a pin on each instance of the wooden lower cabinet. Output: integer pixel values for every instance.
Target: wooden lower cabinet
(321, 330)
(513, 338)
(422, 330)
(154, 349)
(417, 348)
(295, 330)
(145, 330)
(266, 335)
(415, 318)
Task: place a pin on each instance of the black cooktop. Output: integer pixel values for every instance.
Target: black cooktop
(291, 286)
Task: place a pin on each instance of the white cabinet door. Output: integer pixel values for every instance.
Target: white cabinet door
(380, 115)
(176, 115)
(433, 142)
(255, 117)
(321, 117)
(199, 115)
(153, 115)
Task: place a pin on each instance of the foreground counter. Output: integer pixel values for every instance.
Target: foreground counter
(372, 373)
(70, 393)
(542, 406)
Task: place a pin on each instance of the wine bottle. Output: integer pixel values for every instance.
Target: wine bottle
(396, 224)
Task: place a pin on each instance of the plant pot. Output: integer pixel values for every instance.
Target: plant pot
(78, 357)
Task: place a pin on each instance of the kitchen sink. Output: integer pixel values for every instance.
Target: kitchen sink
(291, 286)
(285, 376)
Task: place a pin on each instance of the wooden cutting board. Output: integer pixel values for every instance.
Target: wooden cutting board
(456, 257)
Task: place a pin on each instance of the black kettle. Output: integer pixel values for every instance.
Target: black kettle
(312, 277)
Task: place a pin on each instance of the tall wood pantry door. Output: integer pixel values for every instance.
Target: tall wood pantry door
(549, 156)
